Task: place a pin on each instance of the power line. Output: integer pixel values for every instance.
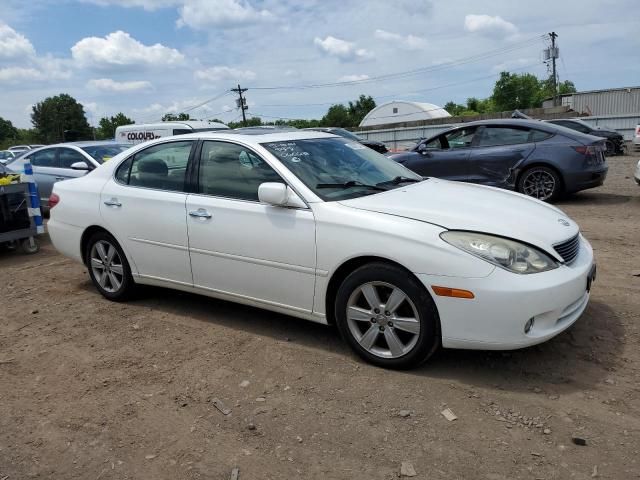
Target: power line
(408, 93)
(392, 76)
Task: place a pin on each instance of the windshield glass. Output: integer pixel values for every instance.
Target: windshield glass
(103, 153)
(338, 169)
(345, 133)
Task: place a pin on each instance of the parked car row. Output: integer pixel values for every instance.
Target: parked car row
(537, 159)
(322, 228)
(63, 161)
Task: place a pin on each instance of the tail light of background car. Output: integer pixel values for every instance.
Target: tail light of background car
(638, 131)
(54, 199)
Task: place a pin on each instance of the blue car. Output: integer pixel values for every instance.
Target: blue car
(538, 159)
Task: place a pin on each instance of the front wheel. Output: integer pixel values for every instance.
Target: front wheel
(387, 317)
(108, 267)
(540, 182)
(610, 148)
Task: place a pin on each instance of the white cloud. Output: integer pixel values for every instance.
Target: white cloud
(409, 42)
(20, 74)
(341, 48)
(145, 4)
(488, 25)
(215, 74)
(353, 78)
(110, 85)
(120, 49)
(203, 14)
(14, 44)
(227, 108)
(516, 64)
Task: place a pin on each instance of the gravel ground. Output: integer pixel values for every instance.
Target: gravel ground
(96, 390)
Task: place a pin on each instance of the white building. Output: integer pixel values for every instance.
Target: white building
(399, 111)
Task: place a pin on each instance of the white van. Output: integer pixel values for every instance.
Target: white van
(138, 133)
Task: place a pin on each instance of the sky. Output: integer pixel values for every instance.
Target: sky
(146, 58)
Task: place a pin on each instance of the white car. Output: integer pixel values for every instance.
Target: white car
(636, 176)
(636, 139)
(322, 228)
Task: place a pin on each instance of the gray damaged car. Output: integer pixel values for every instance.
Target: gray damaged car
(538, 159)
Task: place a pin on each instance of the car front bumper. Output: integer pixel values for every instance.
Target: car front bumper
(504, 302)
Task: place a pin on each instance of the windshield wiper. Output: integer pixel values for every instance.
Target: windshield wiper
(351, 183)
(399, 180)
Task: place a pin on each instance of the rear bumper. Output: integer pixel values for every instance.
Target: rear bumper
(66, 238)
(582, 180)
(504, 302)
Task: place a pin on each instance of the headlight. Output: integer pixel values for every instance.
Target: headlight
(508, 254)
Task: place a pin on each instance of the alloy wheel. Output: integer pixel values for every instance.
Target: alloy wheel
(383, 319)
(106, 266)
(539, 184)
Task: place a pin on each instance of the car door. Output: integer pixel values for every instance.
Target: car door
(500, 151)
(446, 156)
(45, 171)
(143, 206)
(241, 247)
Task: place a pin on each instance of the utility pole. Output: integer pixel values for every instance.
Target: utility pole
(554, 55)
(241, 102)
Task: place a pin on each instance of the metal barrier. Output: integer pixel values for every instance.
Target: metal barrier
(405, 137)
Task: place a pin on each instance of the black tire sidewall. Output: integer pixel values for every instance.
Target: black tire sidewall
(558, 185)
(429, 337)
(127, 287)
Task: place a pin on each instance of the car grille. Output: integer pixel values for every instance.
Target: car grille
(568, 250)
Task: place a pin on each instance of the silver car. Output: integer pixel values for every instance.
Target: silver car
(55, 163)
(6, 156)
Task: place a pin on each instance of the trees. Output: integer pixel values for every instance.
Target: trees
(60, 118)
(359, 108)
(337, 116)
(108, 125)
(517, 91)
(172, 117)
(7, 130)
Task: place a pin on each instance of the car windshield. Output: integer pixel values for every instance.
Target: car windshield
(345, 133)
(338, 169)
(103, 153)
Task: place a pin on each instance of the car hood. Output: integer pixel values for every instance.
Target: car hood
(460, 206)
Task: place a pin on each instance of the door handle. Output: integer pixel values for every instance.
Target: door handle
(61, 178)
(200, 213)
(112, 203)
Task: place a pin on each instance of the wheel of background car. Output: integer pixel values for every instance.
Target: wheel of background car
(540, 182)
(108, 267)
(610, 148)
(387, 317)
(29, 246)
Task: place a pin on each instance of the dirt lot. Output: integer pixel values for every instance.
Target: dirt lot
(95, 390)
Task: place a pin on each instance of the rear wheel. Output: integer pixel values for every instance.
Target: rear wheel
(540, 182)
(108, 267)
(387, 316)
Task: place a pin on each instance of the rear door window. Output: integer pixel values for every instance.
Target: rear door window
(161, 167)
(44, 158)
(495, 136)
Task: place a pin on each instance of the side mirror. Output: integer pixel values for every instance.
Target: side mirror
(278, 195)
(80, 166)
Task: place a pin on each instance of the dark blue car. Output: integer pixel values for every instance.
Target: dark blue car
(538, 159)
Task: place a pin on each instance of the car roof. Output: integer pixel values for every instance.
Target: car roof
(255, 136)
(87, 143)
(194, 124)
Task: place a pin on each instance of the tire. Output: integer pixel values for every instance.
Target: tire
(374, 335)
(540, 182)
(29, 246)
(610, 148)
(115, 282)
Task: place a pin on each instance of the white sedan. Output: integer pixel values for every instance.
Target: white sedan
(322, 228)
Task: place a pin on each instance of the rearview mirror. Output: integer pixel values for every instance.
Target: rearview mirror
(278, 195)
(79, 166)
